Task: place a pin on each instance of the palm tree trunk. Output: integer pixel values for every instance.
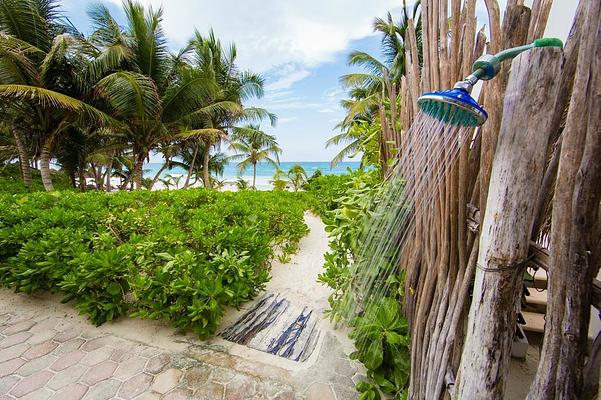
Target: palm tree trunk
(191, 166)
(23, 159)
(109, 172)
(45, 167)
(82, 177)
(254, 175)
(205, 166)
(138, 173)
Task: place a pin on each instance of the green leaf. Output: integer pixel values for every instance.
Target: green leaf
(113, 288)
(393, 337)
(374, 354)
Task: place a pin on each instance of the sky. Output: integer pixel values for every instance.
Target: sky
(300, 47)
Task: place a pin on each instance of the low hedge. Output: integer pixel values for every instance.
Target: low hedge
(179, 256)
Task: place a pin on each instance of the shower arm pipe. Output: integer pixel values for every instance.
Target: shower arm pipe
(487, 66)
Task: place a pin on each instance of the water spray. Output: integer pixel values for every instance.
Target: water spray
(456, 106)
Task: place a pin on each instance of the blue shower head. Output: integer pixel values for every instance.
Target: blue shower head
(455, 107)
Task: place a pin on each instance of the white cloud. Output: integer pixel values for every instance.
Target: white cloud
(271, 33)
(286, 81)
(286, 120)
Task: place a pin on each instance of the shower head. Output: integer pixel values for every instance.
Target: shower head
(455, 107)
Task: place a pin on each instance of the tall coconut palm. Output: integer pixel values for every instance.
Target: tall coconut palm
(156, 93)
(43, 76)
(235, 87)
(253, 146)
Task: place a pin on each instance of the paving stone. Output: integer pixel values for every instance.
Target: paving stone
(319, 391)
(66, 377)
(285, 395)
(13, 352)
(95, 343)
(119, 355)
(74, 391)
(39, 350)
(210, 391)
(271, 388)
(66, 335)
(39, 337)
(240, 387)
(166, 380)
(135, 386)
(4, 318)
(17, 338)
(157, 363)
(7, 383)
(197, 376)
(18, 327)
(69, 346)
(37, 364)
(149, 352)
(97, 356)
(130, 367)
(67, 360)
(178, 394)
(40, 394)
(99, 372)
(343, 367)
(147, 396)
(358, 378)
(31, 383)
(344, 392)
(104, 390)
(222, 375)
(43, 326)
(10, 366)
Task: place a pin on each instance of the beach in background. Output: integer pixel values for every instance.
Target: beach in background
(265, 171)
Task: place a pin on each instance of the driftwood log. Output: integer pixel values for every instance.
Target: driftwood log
(516, 177)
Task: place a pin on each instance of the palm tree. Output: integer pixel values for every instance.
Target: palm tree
(235, 87)
(253, 146)
(45, 77)
(158, 94)
(366, 88)
(298, 176)
(279, 180)
(187, 153)
(360, 137)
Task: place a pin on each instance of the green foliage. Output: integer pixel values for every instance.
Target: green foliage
(379, 331)
(381, 336)
(297, 176)
(11, 182)
(180, 256)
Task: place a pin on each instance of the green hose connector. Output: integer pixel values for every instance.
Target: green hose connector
(488, 66)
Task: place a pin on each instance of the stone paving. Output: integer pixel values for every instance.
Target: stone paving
(48, 357)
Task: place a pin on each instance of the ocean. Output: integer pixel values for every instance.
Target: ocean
(265, 171)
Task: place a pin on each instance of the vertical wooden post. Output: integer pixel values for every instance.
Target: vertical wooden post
(517, 173)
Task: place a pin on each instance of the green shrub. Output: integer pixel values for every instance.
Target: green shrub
(181, 256)
(379, 332)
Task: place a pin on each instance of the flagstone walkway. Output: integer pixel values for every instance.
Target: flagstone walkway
(50, 357)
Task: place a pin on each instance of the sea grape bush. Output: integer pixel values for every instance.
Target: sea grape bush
(180, 256)
(380, 332)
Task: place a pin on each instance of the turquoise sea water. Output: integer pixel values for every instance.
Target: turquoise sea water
(264, 171)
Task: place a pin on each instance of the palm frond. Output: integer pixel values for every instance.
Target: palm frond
(130, 94)
(46, 98)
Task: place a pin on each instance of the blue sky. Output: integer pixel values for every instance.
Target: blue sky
(299, 46)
